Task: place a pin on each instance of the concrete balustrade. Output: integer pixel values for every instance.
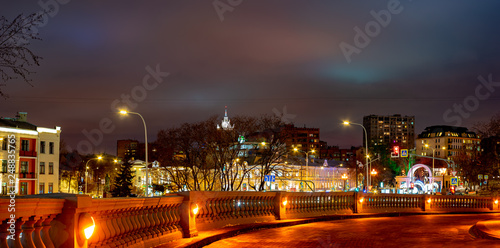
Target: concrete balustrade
(52, 220)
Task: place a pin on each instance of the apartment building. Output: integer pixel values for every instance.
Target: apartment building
(36, 156)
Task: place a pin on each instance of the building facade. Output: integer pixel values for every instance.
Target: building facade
(36, 153)
(303, 138)
(127, 148)
(446, 141)
(389, 130)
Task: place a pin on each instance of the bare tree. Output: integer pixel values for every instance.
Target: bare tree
(273, 150)
(488, 129)
(15, 56)
(201, 156)
(183, 155)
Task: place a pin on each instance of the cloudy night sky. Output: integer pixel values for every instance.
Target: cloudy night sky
(258, 58)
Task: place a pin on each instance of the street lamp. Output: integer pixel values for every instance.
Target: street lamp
(366, 146)
(432, 177)
(86, 171)
(124, 112)
(307, 160)
(373, 173)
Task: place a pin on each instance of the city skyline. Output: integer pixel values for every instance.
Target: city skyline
(318, 63)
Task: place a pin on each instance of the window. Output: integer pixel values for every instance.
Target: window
(24, 188)
(4, 166)
(25, 145)
(42, 146)
(42, 188)
(4, 144)
(42, 167)
(24, 166)
(51, 188)
(51, 168)
(51, 147)
(4, 188)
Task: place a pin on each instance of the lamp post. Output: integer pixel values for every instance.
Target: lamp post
(366, 147)
(432, 176)
(124, 112)
(307, 160)
(86, 171)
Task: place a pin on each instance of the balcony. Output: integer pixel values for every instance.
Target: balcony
(27, 175)
(27, 153)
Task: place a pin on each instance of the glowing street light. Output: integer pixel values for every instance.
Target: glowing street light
(366, 147)
(124, 112)
(86, 171)
(295, 149)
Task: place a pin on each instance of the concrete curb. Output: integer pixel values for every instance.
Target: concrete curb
(232, 231)
(487, 229)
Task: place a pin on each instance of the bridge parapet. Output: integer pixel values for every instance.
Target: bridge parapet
(52, 220)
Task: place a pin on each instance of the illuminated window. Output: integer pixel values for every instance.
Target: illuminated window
(24, 188)
(24, 166)
(41, 189)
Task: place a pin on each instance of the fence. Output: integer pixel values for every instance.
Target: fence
(53, 220)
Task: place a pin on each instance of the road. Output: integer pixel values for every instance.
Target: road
(402, 232)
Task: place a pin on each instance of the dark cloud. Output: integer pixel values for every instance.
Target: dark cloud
(265, 55)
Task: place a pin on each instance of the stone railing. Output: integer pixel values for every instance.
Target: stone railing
(462, 203)
(52, 220)
(300, 205)
(141, 222)
(222, 208)
(32, 217)
(375, 203)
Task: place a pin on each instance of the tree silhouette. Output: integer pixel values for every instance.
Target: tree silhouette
(15, 37)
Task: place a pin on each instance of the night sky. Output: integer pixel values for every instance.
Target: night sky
(420, 58)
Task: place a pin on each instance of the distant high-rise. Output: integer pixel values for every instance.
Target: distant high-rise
(390, 130)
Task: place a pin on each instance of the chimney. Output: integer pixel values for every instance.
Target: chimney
(22, 116)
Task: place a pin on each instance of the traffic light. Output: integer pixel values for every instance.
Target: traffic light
(395, 152)
(452, 190)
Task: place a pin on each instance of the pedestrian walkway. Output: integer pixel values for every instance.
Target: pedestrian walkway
(368, 230)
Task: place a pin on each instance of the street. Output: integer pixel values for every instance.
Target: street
(408, 231)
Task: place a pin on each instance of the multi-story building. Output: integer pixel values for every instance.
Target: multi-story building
(127, 148)
(302, 138)
(446, 141)
(36, 156)
(388, 130)
(338, 154)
